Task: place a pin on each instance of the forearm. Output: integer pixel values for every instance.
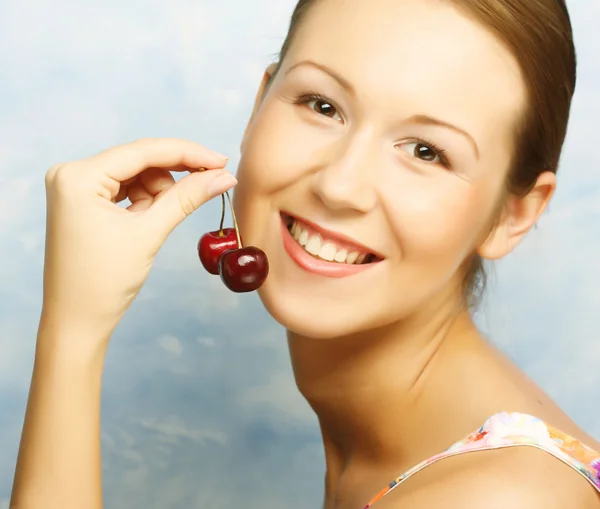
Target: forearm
(59, 464)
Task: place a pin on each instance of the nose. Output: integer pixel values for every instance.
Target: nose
(347, 179)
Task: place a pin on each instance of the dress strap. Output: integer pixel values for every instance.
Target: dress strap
(514, 429)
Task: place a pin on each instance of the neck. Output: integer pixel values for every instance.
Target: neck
(376, 393)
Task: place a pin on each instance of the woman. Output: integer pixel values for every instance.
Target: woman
(392, 148)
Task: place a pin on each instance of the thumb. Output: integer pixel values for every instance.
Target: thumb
(186, 196)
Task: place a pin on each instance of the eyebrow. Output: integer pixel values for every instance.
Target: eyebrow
(427, 120)
(418, 119)
(342, 81)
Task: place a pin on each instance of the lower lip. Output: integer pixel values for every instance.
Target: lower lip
(320, 267)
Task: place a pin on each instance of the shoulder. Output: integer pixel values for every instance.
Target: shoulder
(516, 478)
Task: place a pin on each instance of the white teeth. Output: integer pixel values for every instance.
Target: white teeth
(314, 245)
(328, 252)
(341, 255)
(324, 250)
(351, 258)
(296, 231)
(303, 237)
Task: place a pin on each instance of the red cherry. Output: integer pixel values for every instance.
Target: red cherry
(243, 270)
(213, 244)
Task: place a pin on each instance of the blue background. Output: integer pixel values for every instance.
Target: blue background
(199, 406)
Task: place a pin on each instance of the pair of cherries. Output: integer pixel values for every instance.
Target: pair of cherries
(242, 269)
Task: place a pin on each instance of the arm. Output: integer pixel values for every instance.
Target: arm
(59, 463)
(98, 256)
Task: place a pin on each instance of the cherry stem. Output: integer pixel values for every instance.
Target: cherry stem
(222, 215)
(235, 224)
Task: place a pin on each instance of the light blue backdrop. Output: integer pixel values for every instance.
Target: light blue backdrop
(200, 408)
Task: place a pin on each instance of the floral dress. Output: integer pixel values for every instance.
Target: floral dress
(515, 429)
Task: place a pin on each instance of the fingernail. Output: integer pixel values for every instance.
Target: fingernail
(220, 184)
(220, 156)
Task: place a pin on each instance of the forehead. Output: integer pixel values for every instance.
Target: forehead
(425, 54)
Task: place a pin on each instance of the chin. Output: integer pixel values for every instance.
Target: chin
(312, 305)
(319, 316)
(308, 318)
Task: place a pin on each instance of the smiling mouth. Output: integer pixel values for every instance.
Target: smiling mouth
(324, 247)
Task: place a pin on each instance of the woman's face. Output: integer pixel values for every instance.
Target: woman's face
(385, 139)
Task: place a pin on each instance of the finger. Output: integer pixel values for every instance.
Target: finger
(186, 196)
(139, 197)
(182, 167)
(128, 181)
(118, 190)
(126, 161)
(157, 180)
(121, 195)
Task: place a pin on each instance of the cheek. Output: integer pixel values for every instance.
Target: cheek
(276, 152)
(439, 219)
(275, 156)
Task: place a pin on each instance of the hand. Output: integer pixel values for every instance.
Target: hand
(99, 254)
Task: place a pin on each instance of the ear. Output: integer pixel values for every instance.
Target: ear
(520, 214)
(259, 98)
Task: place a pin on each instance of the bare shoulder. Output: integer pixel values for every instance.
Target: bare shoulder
(516, 478)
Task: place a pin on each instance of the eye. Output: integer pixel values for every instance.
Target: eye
(424, 152)
(320, 105)
(427, 152)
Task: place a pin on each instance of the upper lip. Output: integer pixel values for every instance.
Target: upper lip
(335, 235)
